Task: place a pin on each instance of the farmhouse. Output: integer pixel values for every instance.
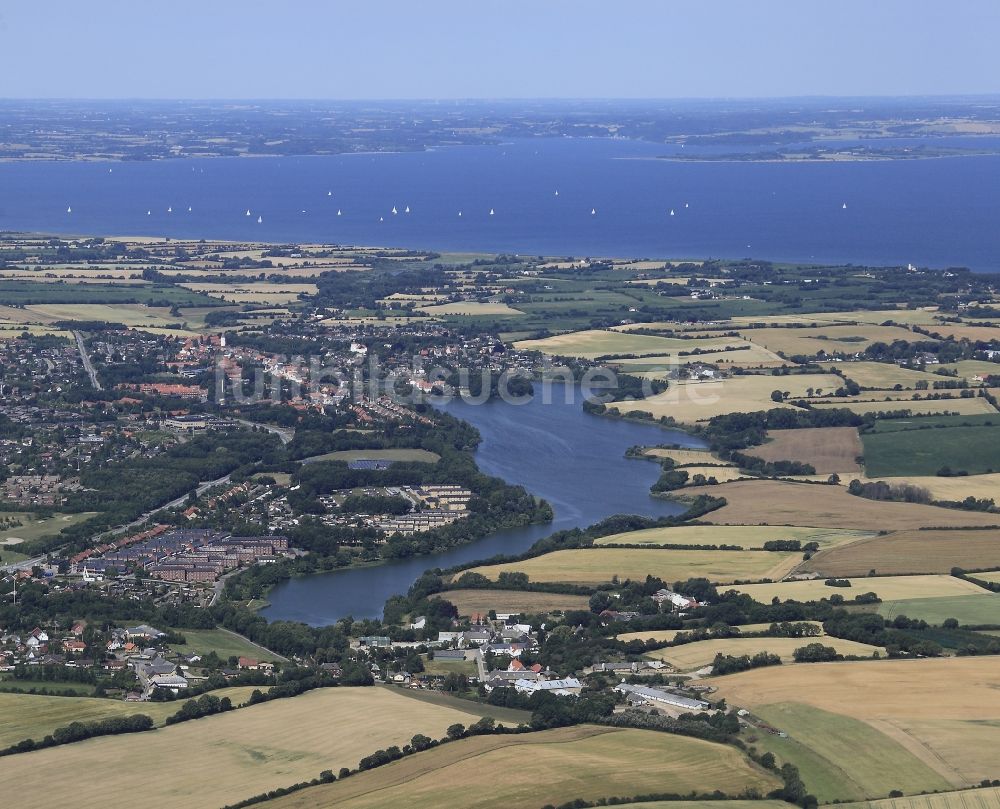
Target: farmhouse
(568, 687)
(641, 694)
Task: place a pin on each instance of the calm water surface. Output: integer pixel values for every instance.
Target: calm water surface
(937, 212)
(572, 459)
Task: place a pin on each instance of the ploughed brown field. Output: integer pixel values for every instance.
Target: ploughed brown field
(910, 552)
(828, 449)
(777, 502)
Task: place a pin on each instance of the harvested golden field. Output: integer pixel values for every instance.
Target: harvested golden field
(262, 292)
(746, 536)
(667, 635)
(965, 331)
(551, 766)
(29, 716)
(474, 308)
(690, 402)
(888, 588)
(910, 552)
(948, 488)
(964, 799)
(945, 711)
(828, 449)
(722, 474)
(597, 565)
(691, 656)
(128, 314)
(593, 343)
(742, 354)
(778, 502)
(963, 407)
(211, 762)
(881, 375)
(683, 457)
(847, 339)
(512, 601)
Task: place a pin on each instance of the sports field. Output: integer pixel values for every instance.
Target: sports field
(549, 767)
(888, 588)
(512, 601)
(910, 552)
(597, 565)
(211, 762)
(33, 528)
(691, 656)
(827, 449)
(776, 502)
(746, 536)
(29, 716)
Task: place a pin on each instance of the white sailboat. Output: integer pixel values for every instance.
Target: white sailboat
(459, 213)
(381, 219)
(593, 211)
(189, 209)
(149, 213)
(248, 212)
(844, 206)
(329, 193)
(170, 209)
(491, 212)
(557, 192)
(69, 209)
(338, 211)
(685, 205)
(394, 211)
(671, 211)
(260, 220)
(406, 209)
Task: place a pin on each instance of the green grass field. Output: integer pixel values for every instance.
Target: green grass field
(466, 667)
(27, 716)
(32, 527)
(836, 754)
(80, 689)
(973, 610)
(223, 642)
(399, 454)
(923, 452)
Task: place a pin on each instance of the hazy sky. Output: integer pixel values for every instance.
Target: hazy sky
(475, 48)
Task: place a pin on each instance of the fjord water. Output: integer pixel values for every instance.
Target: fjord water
(931, 212)
(556, 451)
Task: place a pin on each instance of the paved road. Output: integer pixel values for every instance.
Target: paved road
(87, 365)
(284, 433)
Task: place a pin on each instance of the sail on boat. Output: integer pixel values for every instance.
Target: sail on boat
(491, 212)
(671, 211)
(381, 219)
(329, 193)
(459, 213)
(338, 211)
(248, 212)
(189, 209)
(394, 211)
(557, 192)
(685, 205)
(844, 206)
(407, 209)
(149, 213)
(170, 209)
(260, 220)
(593, 211)
(69, 209)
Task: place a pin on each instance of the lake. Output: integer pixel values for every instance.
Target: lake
(932, 212)
(556, 451)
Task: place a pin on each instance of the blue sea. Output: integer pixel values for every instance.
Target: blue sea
(614, 199)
